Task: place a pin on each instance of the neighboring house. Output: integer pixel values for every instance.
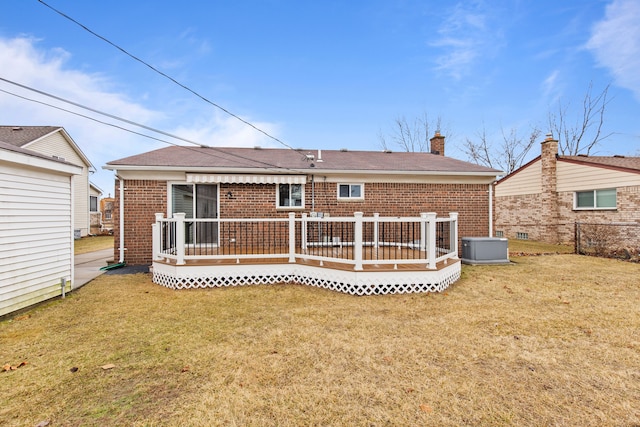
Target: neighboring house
(36, 232)
(95, 214)
(106, 210)
(55, 142)
(207, 182)
(546, 197)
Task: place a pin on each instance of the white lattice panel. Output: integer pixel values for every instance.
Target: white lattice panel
(349, 282)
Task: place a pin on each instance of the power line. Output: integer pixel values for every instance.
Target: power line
(134, 57)
(219, 150)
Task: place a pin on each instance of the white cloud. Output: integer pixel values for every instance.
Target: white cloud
(225, 131)
(615, 43)
(550, 87)
(23, 62)
(464, 36)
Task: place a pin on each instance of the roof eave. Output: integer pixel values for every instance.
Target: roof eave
(307, 171)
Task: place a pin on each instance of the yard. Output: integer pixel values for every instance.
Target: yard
(549, 340)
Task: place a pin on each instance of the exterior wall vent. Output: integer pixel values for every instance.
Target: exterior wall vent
(485, 250)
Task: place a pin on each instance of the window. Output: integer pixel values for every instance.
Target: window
(290, 195)
(198, 201)
(595, 199)
(351, 191)
(522, 236)
(500, 233)
(93, 203)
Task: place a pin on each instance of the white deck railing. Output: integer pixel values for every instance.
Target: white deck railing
(356, 241)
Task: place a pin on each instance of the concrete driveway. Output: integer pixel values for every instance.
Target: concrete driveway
(87, 266)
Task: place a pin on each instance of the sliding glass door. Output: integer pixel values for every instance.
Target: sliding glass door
(197, 201)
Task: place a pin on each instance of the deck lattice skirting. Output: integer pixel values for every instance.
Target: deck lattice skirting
(357, 275)
(349, 282)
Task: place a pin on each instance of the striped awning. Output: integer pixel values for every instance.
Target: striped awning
(202, 178)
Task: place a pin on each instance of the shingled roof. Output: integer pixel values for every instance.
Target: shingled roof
(19, 136)
(182, 157)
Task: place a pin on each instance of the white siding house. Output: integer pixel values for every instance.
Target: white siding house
(36, 227)
(54, 141)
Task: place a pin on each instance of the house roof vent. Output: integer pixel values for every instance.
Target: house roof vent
(344, 150)
(16, 128)
(619, 156)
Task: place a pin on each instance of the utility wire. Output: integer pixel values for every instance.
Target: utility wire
(164, 74)
(102, 113)
(208, 153)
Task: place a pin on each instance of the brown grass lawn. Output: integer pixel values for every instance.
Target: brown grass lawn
(549, 340)
(92, 243)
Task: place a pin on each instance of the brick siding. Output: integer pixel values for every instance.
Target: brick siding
(144, 198)
(524, 214)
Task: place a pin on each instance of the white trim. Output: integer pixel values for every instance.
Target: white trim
(348, 198)
(595, 199)
(245, 179)
(289, 208)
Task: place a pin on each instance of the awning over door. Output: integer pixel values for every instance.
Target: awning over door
(203, 178)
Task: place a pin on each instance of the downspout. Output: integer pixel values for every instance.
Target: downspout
(313, 194)
(491, 209)
(121, 248)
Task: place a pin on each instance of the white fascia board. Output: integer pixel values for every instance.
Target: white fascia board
(41, 163)
(308, 171)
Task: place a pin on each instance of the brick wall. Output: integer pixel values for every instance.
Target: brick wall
(144, 198)
(525, 214)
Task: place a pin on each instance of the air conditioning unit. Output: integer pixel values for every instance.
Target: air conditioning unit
(485, 250)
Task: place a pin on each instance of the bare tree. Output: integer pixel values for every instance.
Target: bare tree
(411, 136)
(586, 131)
(578, 138)
(509, 156)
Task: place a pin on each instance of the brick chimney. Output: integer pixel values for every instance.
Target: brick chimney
(437, 144)
(549, 198)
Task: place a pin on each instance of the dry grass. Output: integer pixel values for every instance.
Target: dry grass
(551, 340)
(92, 243)
(527, 247)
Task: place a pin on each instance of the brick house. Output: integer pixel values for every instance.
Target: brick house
(544, 199)
(207, 182)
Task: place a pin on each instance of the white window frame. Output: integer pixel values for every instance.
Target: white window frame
(288, 208)
(595, 201)
(350, 184)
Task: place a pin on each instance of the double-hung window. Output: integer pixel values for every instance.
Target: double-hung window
(595, 199)
(290, 196)
(350, 191)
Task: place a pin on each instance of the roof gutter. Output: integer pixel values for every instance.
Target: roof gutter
(297, 171)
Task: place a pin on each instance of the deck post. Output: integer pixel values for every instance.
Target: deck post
(292, 237)
(303, 231)
(156, 237)
(376, 232)
(453, 232)
(180, 237)
(424, 222)
(357, 241)
(431, 240)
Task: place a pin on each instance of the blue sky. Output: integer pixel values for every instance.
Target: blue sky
(319, 74)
